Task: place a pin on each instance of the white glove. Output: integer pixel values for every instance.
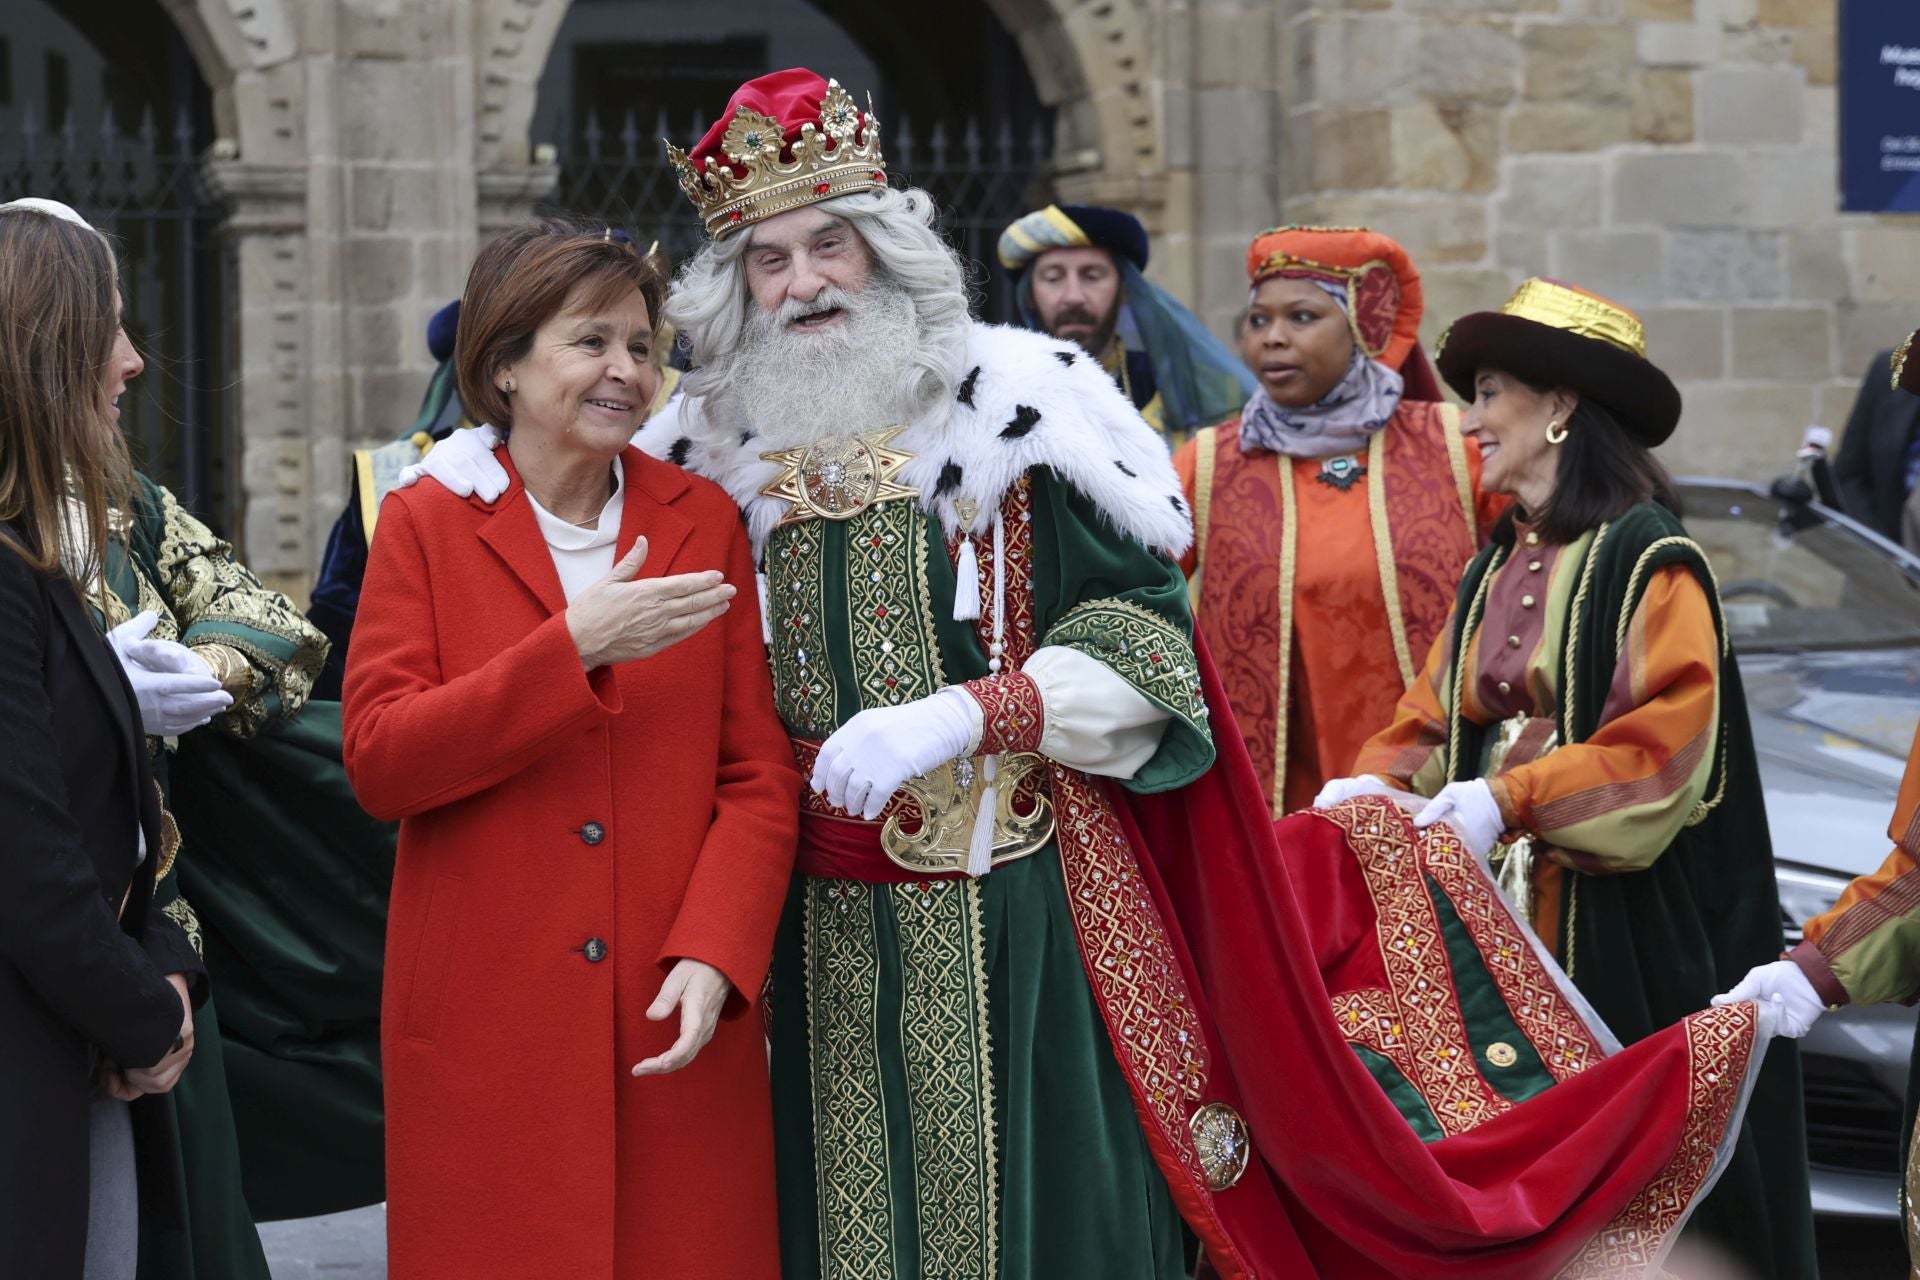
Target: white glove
(1347, 788)
(463, 463)
(1785, 985)
(175, 689)
(868, 757)
(1470, 809)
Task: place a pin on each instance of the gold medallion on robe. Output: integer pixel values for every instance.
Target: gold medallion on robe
(838, 479)
(1220, 1139)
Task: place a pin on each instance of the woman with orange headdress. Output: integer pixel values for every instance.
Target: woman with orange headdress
(1334, 515)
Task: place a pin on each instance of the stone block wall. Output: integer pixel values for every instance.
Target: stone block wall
(1678, 156)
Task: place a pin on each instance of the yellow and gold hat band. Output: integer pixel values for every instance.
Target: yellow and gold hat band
(1559, 306)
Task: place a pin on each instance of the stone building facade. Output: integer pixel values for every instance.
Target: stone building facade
(1678, 155)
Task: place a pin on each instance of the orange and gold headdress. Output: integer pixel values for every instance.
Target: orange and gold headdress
(1384, 298)
(788, 139)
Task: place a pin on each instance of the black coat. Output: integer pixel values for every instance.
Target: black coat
(75, 982)
(1871, 467)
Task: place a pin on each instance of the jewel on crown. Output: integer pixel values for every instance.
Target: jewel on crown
(837, 156)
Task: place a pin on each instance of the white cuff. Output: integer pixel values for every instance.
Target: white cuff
(1094, 720)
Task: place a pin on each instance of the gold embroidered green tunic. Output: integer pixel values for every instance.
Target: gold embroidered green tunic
(947, 1100)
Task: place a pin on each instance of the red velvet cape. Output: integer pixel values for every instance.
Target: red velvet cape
(1593, 1176)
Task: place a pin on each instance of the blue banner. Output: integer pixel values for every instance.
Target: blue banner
(1880, 106)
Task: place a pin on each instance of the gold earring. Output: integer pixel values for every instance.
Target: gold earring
(1556, 434)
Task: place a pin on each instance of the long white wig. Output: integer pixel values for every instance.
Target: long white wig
(709, 303)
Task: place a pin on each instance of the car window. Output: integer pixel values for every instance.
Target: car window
(1818, 586)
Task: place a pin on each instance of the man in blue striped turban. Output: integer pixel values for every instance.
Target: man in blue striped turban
(1077, 272)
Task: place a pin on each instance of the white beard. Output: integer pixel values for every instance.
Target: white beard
(798, 387)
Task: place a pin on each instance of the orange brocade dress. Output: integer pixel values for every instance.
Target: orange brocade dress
(1320, 597)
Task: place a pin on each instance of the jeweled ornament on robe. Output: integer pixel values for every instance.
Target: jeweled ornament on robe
(1220, 1138)
(838, 479)
(1341, 472)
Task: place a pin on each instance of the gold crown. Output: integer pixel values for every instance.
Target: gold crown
(837, 157)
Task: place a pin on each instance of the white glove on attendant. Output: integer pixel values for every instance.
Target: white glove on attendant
(175, 689)
(868, 757)
(1786, 986)
(463, 463)
(1347, 788)
(1469, 807)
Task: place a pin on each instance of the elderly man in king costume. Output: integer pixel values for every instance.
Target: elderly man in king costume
(1016, 1019)
(1077, 274)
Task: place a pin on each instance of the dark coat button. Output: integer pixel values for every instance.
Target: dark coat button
(593, 833)
(596, 950)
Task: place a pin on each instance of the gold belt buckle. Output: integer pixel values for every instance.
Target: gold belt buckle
(945, 801)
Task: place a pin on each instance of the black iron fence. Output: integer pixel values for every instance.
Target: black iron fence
(979, 179)
(145, 191)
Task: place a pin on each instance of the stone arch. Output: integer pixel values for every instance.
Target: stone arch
(514, 39)
(243, 47)
(1088, 58)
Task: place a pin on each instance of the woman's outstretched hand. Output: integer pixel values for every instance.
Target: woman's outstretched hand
(700, 990)
(619, 618)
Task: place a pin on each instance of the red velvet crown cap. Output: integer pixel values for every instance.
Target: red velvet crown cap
(788, 139)
(792, 97)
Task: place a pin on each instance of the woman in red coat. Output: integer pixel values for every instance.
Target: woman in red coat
(597, 814)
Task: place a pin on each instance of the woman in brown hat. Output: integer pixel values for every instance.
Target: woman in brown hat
(1581, 719)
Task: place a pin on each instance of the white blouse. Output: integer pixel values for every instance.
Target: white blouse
(583, 556)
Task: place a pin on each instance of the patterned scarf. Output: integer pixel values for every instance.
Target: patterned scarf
(1342, 421)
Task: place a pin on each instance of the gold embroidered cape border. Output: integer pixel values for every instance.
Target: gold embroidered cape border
(1410, 1024)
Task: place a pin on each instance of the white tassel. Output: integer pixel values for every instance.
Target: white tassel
(980, 848)
(766, 619)
(996, 652)
(966, 582)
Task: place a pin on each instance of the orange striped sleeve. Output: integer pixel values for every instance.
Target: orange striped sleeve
(1616, 801)
(1865, 949)
(1411, 752)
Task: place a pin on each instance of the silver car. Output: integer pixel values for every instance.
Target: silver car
(1825, 617)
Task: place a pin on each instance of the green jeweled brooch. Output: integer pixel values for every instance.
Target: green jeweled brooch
(1341, 472)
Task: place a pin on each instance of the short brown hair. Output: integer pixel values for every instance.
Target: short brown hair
(57, 330)
(521, 281)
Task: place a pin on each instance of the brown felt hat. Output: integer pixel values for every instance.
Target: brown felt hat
(1553, 334)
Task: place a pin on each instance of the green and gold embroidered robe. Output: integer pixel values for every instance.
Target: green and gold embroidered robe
(947, 1099)
(166, 560)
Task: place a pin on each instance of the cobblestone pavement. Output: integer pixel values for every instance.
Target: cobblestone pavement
(340, 1246)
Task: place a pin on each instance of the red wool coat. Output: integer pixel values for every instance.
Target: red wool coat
(564, 836)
